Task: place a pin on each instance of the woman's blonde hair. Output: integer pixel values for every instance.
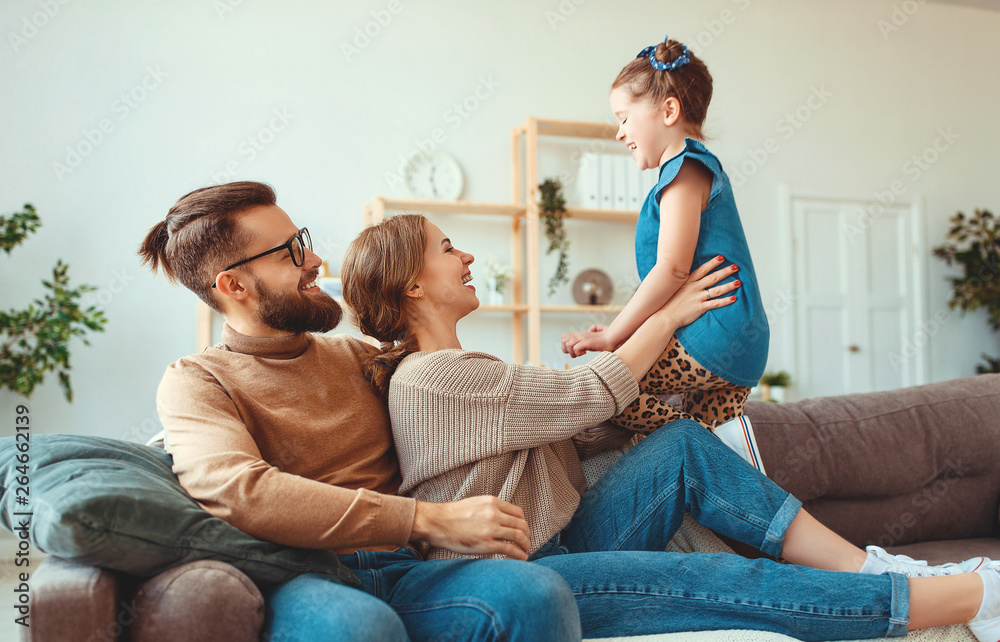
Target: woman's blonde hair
(690, 83)
(380, 267)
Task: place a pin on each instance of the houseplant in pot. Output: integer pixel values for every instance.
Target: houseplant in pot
(772, 386)
(973, 243)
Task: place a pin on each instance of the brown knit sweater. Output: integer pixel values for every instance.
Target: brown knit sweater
(284, 439)
(467, 424)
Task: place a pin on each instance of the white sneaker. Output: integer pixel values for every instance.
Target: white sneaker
(879, 561)
(986, 625)
(738, 434)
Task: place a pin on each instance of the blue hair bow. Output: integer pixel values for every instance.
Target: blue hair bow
(650, 52)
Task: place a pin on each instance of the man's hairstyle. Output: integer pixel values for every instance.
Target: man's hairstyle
(201, 235)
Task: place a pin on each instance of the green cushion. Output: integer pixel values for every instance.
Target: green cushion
(118, 505)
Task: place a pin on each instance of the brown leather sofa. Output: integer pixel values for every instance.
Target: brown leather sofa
(915, 470)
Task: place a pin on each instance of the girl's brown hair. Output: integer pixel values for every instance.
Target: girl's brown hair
(690, 83)
(201, 235)
(380, 267)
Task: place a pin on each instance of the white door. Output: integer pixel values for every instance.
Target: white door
(858, 283)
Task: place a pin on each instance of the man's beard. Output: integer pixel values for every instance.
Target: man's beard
(295, 313)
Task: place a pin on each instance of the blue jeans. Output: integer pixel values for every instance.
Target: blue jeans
(404, 598)
(611, 552)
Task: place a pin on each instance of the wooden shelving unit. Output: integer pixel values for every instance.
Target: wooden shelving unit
(523, 211)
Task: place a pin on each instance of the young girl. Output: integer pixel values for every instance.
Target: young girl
(660, 100)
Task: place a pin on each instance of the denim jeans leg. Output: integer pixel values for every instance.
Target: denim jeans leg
(463, 599)
(640, 501)
(646, 592)
(312, 608)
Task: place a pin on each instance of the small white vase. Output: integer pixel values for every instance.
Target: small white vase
(495, 296)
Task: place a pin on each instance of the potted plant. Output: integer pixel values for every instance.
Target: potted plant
(36, 340)
(772, 386)
(497, 278)
(553, 210)
(973, 243)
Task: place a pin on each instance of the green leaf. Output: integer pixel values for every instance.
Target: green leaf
(552, 204)
(38, 338)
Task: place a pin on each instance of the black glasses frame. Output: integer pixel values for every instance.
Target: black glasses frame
(305, 241)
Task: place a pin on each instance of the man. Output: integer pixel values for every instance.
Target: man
(277, 431)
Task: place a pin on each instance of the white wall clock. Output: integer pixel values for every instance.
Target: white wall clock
(436, 176)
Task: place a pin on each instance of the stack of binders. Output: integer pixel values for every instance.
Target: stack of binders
(612, 182)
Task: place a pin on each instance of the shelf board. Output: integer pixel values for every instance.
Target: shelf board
(575, 129)
(498, 209)
(503, 308)
(584, 214)
(451, 207)
(600, 309)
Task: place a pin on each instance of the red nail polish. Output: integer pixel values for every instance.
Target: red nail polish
(737, 283)
(732, 298)
(720, 258)
(734, 267)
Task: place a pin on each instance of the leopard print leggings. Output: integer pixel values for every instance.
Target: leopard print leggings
(707, 398)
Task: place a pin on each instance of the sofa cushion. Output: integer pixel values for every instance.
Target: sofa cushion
(118, 505)
(892, 467)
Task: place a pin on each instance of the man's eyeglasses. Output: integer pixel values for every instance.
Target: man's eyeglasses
(296, 246)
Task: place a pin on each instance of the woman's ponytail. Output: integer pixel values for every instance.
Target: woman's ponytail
(381, 365)
(380, 267)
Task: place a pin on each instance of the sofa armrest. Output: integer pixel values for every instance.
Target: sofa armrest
(72, 602)
(891, 467)
(201, 600)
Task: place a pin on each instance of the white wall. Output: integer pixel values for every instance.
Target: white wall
(215, 78)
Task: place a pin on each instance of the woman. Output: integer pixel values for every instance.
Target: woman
(466, 424)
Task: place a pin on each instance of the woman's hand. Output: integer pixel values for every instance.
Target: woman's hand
(700, 293)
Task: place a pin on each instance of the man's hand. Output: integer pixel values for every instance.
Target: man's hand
(479, 525)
